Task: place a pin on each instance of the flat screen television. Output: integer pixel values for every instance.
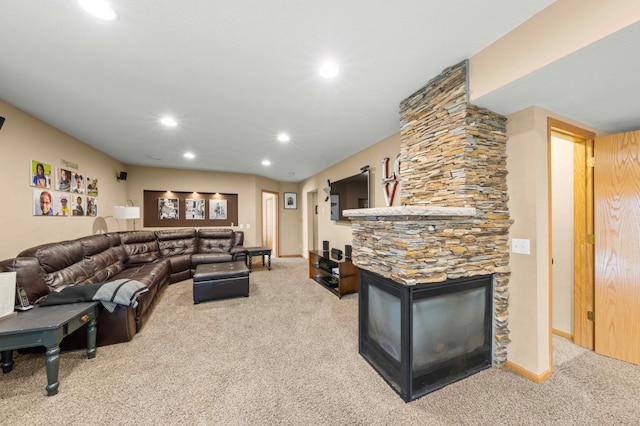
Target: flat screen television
(349, 193)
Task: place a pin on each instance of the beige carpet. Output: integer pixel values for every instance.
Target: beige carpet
(288, 354)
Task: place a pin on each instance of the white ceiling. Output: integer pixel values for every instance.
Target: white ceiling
(236, 73)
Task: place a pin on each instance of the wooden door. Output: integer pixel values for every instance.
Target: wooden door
(617, 246)
(268, 214)
(270, 221)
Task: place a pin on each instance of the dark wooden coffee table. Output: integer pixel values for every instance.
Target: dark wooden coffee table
(258, 251)
(47, 326)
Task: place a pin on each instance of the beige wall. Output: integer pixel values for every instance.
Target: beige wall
(339, 233)
(24, 138)
(560, 29)
(140, 179)
(529, 309)
(248, 187)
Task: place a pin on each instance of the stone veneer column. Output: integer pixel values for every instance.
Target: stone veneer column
(452, 154)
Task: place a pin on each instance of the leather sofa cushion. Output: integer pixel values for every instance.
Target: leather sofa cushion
(141, 246)
(215, 240)
(180, 263)
(56, 256)
(94, 244)
(176, 242)
(116, 242)
(155, 276)
(103, 258)
(200, 258)
(107, 265)
(62, 263)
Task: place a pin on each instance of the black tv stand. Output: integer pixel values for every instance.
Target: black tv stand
(321, 270)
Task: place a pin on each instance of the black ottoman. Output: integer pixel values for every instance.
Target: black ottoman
(219, 280)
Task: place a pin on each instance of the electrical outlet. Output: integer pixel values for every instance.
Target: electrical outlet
(520, 246)
(248, 225)
(241, 226)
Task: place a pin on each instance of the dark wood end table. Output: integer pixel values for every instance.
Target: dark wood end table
(47, 326)
(258, 251)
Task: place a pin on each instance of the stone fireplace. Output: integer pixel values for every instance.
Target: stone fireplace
(453, 221)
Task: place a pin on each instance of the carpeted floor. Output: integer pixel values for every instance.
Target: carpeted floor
(288, 354)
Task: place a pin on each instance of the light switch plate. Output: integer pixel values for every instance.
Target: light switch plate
(520, 246)
(248, 225)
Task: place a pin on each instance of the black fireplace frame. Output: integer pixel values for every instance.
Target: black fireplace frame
(410, 384)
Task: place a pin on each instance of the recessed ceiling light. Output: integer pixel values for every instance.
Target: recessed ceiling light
(99, 9)
(283, 137)
(266, 162)
(328, 70)
(189, 155)
(169, 121)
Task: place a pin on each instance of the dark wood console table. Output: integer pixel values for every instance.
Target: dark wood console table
(339, 276)
(47, 326)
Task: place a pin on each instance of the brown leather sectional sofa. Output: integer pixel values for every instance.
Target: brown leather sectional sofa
(155, 258)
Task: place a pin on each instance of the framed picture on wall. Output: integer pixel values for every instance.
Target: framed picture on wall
(290, 200)
(92, 186)
(194, 209)
(218, 209)
(42, 203)
(40, 174)
(63, 179)
(61, 204)
(168, 209)
(92, 207)
(77, 183)
(77, 205)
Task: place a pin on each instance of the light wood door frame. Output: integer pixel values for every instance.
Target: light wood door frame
(583, 249)
(276, 232)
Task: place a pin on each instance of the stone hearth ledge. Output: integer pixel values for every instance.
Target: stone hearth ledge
(426, 211)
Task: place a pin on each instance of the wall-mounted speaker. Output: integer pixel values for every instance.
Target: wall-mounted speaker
(1, 122)
(122, 176)
(347, 251)
(325, 245)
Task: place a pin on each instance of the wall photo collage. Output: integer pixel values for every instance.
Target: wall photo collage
(171, 208)
(62, 191)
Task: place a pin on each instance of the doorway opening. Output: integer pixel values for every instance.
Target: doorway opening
(312, 220)
(571, 229)
(270, 221)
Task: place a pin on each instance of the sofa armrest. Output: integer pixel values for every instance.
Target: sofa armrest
(239, 253)
(28, 276)
(239, 238)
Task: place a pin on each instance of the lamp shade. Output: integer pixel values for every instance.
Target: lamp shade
(126, 212)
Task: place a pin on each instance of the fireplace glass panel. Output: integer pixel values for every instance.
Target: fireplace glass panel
(384, 321)
(447, 326)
